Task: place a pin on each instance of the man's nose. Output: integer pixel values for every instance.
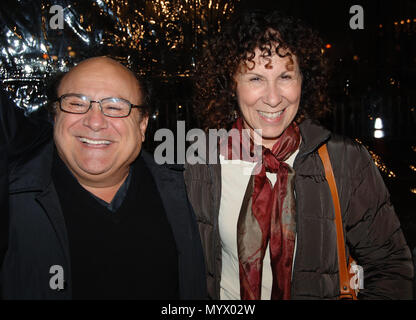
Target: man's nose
(95, 119)
(272, 95)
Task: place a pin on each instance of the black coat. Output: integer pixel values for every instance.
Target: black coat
(18, 135)
(38, 237)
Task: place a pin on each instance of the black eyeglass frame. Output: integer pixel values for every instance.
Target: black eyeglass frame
(99, 103)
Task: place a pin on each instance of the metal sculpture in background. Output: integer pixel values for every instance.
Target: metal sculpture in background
(155, 38)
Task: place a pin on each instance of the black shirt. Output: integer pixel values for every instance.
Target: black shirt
(118, 199)
(126, 254)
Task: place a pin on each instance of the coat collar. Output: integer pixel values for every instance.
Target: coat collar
(171, 186)
(32, 172)
(149, 159)
(313, 136)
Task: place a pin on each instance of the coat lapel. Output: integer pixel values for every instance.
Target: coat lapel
(34, 175)
(176, 209)
(49, 200)
(171, 186)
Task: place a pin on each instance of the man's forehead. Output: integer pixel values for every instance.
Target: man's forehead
(99, 69)
(100, 66)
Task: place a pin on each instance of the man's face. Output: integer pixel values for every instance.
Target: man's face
(96, 148)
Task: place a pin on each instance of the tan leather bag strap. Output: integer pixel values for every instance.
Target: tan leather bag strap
(344, 278)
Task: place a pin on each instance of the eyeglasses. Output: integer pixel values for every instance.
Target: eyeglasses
(110, 107)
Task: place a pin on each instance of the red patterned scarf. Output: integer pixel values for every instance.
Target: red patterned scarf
(267, 216)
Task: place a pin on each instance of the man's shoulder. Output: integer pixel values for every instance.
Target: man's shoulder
(149, 159)
(32, 169)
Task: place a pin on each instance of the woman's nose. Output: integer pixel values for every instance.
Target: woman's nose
(272, 96)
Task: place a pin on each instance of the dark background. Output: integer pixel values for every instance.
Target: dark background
(374, 69)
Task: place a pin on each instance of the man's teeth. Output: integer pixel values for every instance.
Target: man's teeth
(271, 115)
(96, 142)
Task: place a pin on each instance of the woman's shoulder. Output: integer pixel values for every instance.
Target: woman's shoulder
(340, 147)
(343, 148)
(343, 142)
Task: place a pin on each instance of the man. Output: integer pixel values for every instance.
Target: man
(91, 215)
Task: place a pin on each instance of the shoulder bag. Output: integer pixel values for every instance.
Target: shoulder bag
(346, 292)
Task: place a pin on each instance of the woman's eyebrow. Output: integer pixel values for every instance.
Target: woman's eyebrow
(253, 74)
(250, 73)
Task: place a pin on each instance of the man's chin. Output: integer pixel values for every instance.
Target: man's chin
(95, 172)
(93, 169)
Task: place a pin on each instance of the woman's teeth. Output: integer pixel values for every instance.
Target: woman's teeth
(270, 115)
(96, 142)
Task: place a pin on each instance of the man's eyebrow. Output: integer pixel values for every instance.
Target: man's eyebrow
(89, 97)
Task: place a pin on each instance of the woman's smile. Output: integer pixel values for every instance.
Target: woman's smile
(271, 116)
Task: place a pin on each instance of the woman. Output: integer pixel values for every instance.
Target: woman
(271, 235)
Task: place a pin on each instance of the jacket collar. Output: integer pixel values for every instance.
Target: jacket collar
(313, 136)
(171, 186)
(32, 172)
(150, 162)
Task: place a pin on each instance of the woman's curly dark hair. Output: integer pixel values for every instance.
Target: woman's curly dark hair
(215, 103)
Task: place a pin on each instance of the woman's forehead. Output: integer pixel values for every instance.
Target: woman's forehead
(269, 60)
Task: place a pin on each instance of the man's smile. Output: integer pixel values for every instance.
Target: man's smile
(94, 142)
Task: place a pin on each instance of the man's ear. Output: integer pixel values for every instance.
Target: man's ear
(54, 111)
(143, 125)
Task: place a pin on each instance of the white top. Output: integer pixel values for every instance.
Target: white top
(235, 175)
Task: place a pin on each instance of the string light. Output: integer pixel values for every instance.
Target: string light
(378, 161)
(168, 21)
(400, 23)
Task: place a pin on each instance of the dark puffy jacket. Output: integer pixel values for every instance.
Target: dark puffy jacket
(371, 228)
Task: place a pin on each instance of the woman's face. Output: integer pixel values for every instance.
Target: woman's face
(269, 94)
